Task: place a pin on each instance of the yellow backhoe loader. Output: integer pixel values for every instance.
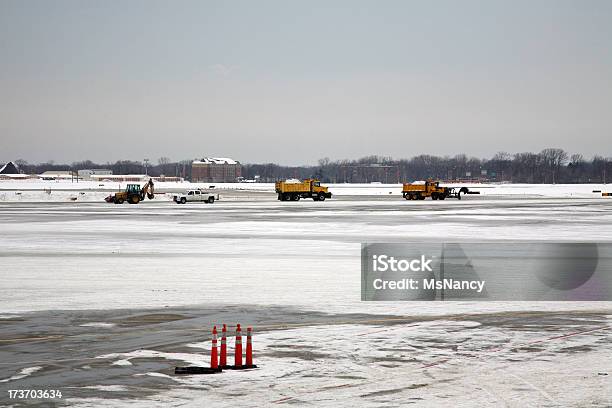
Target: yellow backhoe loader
(133, 194)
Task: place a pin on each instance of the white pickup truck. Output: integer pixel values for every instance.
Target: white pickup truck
(195, 195)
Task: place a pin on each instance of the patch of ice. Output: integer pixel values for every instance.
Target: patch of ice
(25, 372)
(109, 388)
(122, 363)
(126, 357)
(160, 375)
(98, 324)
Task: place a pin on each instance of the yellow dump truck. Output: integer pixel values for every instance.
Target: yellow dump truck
(430, 188)
(293, 190)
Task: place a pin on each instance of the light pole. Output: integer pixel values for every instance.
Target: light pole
(146, 162)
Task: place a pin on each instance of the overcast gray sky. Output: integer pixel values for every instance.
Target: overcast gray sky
(295, 81)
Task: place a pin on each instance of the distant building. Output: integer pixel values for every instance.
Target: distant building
(86, 174)
(168, 179)
(215, 170)
(120, 178)
(135, 178)
(9, 168)
(255, 179)
(59, 175)
(10, 171)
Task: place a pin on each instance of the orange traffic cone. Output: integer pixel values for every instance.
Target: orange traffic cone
(223, 357)
(214, 361)
(238, 351)
(213, 353)
(249, 348)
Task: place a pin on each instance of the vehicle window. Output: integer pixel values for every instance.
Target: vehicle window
(317, 184)
(190, 193)
(197, 192)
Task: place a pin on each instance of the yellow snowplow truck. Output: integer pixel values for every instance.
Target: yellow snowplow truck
(133, 194)
(429, 188)
(294, 190)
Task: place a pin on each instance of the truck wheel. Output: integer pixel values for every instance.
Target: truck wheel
(297, 197)
(321, 197)
(211, 200)
(134, 199)
(434, 196)
(286, 197)
(183, 200)
(442, 197)
(459, 196)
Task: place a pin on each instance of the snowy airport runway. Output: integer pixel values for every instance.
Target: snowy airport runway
(102, 301)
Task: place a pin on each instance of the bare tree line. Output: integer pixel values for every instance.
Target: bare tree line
(551, 165)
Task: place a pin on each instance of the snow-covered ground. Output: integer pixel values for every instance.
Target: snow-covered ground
(302, 257)
(439, 363)
(307, 254)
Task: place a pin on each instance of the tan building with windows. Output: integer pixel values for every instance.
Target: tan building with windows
(215, 170)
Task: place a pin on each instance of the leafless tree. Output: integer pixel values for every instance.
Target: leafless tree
(553, 160)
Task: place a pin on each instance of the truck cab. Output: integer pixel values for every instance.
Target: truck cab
(133, 189)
